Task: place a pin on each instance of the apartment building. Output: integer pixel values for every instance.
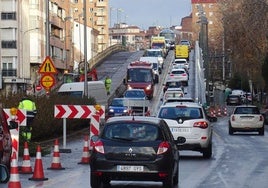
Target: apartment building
(26, 39)
(210, 10)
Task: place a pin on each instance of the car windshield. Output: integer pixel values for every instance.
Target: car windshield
(117, 102)
(176, 113)
(131, 131)
(135, 94)
(246, 110)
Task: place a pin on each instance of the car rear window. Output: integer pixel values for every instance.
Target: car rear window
(180, 112)
(246, 110)
(132, 131)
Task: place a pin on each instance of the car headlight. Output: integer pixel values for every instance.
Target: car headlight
(129, 87)
(125, 111)
(148, 87)
(111, 110)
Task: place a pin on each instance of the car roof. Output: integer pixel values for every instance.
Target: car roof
(154, 120)
(244, 106)
(188, 104)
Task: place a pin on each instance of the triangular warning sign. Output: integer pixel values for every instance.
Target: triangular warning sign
(47, 66)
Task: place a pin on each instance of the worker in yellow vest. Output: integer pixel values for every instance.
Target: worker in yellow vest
(108, 83)
(30, 107)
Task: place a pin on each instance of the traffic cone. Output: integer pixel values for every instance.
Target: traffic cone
(14, 181)
(85, 156)
(26, 163)
(38, 174)
(56, 165)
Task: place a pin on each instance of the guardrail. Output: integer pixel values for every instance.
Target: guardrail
(100, 57)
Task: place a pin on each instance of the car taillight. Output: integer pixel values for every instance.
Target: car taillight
(233, 118)
(201, 124)
(98, 146)
(163, 147)
(184, 74)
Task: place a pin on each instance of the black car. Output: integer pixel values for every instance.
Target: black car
(134, 148)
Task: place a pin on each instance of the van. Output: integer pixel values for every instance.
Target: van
(181, 51)
(96, 89)
(156, 65)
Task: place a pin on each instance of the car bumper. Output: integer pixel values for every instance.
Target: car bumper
(150, 172)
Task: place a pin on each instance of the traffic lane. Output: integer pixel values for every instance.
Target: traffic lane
(237, 161)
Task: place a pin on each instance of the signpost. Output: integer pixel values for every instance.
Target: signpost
(47, 69)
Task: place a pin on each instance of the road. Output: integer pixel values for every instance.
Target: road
(238, 161)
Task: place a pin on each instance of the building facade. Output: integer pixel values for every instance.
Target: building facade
(26, 39)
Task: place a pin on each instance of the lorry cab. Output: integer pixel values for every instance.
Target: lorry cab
(96, 89)
(140, 76)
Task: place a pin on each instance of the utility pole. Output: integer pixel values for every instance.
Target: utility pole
(85, 47)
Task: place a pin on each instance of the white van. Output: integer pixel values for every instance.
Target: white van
(96, 89)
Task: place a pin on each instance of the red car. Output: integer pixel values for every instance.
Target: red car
(5, 143)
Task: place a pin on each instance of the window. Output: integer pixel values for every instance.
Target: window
(9, 44)
(8, 15)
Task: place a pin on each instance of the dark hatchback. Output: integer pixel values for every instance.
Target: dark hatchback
(134, 148)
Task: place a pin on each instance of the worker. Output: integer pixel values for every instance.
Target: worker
(30, 107)
(108, 83)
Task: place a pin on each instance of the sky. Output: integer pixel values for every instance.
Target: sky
(146, 13)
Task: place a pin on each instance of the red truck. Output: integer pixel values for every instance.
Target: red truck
(140, 76)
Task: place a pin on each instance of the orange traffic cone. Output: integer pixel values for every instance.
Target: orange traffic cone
(56, 165)
(85, 156)
(38, 174)
(14, 181)
(26, 163)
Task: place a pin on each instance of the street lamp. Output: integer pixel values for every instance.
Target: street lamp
(65, 40)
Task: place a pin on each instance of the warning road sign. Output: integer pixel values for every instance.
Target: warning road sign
(48, 66)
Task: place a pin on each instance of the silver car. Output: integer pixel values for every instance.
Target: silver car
(190, 126)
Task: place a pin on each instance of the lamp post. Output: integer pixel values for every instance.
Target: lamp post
(85, 47)
(65, 40)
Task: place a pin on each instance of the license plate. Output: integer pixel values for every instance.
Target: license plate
(180, 130)
(124, 168)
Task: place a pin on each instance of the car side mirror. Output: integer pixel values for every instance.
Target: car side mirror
(4, 174)
(13, 125)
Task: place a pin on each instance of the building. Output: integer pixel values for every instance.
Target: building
(24, 34)
(208, 9)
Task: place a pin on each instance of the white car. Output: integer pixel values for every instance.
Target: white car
(173, 93)
(190, 126)
(180, 62)
(178, 74)
(246, 118)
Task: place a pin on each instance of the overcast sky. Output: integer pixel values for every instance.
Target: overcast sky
(145, 13)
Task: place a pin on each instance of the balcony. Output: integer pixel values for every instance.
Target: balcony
(9, 72)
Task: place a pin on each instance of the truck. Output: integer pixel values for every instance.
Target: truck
(181, 52)
(140, 75)
(159, 43)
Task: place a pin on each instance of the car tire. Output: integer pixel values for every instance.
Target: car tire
(261, 131)
(207, 152)
(95, 181)
(231, 131)
(168, 182)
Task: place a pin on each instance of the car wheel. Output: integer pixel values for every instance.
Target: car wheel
(95, 181)
(207, 152)
(176, 177)
(231, 131)
(261, 131)
(168, 182)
